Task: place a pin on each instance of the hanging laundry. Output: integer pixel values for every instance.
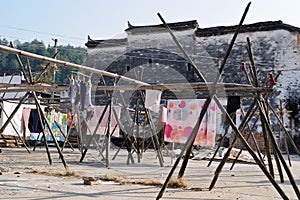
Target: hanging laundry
(77, 93)
(88, 95)
(103, 125)
(163, 114)
(233, 103)
(152, 100)
(34, 124)
(58, 124)
(182, 117)
(24, 120)
(83, 88)
(71, 90)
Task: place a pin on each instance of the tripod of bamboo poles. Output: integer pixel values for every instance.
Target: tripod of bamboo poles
(17, 52)
(265, 96)
(42, 119)
(141, 113)
(131, 137)
(188, 146)
(15, 129)
(13, 126)
(269, 138)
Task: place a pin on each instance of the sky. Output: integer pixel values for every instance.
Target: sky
(71, 21)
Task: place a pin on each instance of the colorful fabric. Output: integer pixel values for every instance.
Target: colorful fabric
(24, 121)
(58, 123)
(181, 118)
(92, 123)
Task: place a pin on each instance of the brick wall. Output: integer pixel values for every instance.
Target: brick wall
(273, 50)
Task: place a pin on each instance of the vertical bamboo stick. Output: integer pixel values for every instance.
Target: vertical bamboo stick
(14, 112)
(107, 138)
(206, 104)
(22, 139)
(95, 131)
(276, 148)
(284, 136)
(252, 153)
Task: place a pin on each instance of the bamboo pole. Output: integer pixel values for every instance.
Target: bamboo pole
(61, 132)
(255, 143)
(267, 144)
(200, 87)
(20, 63)
(252, 153)
(107, 138)
(248, 136)
(79, 129)
(256, 82)
(284, 136)
(68, 133)
(276, 148)
(154, 136)
(40, 113)
(95, 131)
(68, 64)
(284, 129)
(52, 135)
(13, 113)
(206, 104)
(137, 124)
(44, 134)
(245, 121)
(22, 139)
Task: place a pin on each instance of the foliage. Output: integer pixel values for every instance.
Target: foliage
(8, 62)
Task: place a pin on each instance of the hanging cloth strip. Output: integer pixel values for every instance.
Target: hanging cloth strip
(34, 124)
(181, 118)
(152, 100)
(24, 120)
(88, 96)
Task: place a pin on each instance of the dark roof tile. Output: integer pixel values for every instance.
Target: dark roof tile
(260, 26)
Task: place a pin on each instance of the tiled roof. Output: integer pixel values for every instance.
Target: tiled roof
(105, 43)
(260, 26)
(193, 24)
(200, 32)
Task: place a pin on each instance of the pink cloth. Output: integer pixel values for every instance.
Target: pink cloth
(24, 121)
(92, 123)
(182, 117)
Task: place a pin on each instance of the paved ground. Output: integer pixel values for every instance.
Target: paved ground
(245, 181)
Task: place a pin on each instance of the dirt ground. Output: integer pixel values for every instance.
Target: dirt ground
(30, 176)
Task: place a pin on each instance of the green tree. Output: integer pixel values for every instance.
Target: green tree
(67, 53)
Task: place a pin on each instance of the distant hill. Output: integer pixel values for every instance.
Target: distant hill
(67, 53)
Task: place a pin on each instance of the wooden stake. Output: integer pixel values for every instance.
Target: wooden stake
(284, 136)
(68, 64)
(95, 131)
(276, 148)
(22, 139)
(21, 64)
(206, 104)
(52, 135)
(14, 112)
(248, 136)
(260, 164)
(284, 129)
(44, 133)
(61, 132)
(107, 138)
